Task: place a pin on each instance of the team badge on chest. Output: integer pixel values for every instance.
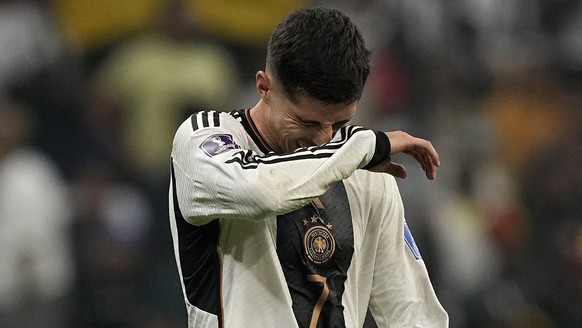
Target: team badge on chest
(318, 242)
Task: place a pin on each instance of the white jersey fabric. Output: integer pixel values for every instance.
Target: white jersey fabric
(306, 239)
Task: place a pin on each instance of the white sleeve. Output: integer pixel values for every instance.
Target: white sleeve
(402, 293)
(232, 181)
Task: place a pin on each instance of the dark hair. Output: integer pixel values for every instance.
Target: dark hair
(321, 53)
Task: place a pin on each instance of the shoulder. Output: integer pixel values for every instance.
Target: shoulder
(209, 122)
(212, 128)
(370, 189)
(214, 119)
(366, 181)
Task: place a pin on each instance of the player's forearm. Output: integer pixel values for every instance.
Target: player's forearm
(240, 184)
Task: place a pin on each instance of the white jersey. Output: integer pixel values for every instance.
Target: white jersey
(305, 239)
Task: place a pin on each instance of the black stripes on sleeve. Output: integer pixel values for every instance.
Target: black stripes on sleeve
(205, 119)
(382, 151)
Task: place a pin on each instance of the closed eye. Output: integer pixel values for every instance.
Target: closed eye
(309, 123)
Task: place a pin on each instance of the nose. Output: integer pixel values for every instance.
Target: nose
(323, 136)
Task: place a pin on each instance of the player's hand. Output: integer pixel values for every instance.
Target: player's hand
(421, 150)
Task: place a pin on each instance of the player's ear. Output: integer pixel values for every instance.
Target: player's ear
(263, 84)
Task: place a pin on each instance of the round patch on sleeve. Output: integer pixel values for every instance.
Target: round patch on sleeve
(218, 143)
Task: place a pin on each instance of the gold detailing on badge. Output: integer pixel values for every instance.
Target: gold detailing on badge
(318, 241)
(319, 244)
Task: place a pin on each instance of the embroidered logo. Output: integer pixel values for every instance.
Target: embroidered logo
(218, 143)
(411, 243)
(319, 242)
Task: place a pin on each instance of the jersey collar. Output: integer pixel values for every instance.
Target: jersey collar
(253, 131)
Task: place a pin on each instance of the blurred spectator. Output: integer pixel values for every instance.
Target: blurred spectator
(563, 21)
(29, 41)
(527, 108)
(552, 189)
(37, 265)
(474, 194)
(38, 70)
(134, 100)
(154, 81)
(144, 88)
(110, 237)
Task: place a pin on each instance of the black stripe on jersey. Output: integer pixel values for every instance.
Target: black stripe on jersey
(216, 119)
(249, 161)
(265, 145)
(298, 268)
(209, 119)
(244, 117)
(194, 121)
(199, 260)
(205, 119)
(245, 164)
(382, 150)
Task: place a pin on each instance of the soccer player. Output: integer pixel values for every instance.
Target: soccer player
(285, 215)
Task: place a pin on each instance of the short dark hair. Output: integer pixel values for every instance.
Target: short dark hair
(319, 52)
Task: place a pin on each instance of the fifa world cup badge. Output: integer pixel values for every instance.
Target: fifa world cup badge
(218, 143)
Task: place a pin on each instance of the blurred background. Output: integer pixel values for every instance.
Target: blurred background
(91, 92)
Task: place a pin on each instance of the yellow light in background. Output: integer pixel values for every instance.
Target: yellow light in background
(242, 21)
(88, 24)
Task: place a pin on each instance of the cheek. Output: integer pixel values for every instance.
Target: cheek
(304, 137)
(295, 136)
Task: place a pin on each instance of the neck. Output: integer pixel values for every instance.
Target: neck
(260, 116)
